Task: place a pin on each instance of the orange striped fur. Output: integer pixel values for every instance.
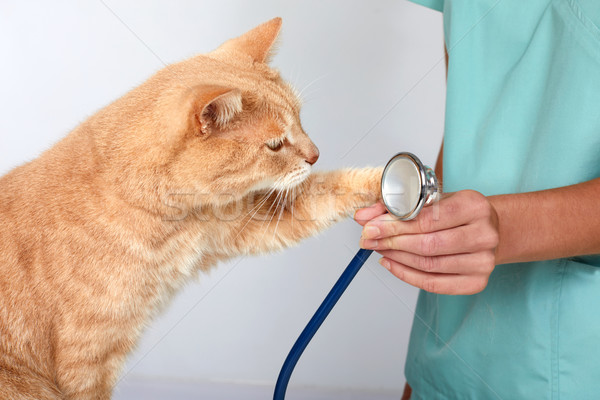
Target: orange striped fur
(205, 161)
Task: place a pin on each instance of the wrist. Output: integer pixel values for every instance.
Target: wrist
(507, 250)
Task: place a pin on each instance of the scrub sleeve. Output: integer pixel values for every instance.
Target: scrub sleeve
(522, 114)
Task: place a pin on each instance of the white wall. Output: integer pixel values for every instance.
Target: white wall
(374, 85)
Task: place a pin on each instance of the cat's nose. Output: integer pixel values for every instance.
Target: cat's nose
(312, 157)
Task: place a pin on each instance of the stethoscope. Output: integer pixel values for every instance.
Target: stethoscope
(406, 187)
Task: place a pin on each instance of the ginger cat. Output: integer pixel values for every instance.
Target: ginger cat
(205, 161)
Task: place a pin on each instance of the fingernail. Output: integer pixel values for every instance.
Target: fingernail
(385, 263)
(368, 243)
(370, 232)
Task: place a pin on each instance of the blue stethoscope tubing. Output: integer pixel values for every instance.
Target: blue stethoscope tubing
(317, 319)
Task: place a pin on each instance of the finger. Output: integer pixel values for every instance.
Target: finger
(452, 211)
(364, 215)
(463, 264)
(463, 239)
(437, 283)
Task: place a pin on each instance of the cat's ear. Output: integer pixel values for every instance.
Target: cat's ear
(213, 107)
(257, 43)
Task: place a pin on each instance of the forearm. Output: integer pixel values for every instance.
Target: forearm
(549, 224)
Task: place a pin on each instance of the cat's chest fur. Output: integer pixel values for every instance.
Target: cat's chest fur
(193, 246)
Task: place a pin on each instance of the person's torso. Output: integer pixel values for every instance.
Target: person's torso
(523, 114)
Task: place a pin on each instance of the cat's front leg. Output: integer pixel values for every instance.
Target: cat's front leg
(285, 218)
(328, 197)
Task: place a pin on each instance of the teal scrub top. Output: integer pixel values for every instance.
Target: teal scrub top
(522, 114)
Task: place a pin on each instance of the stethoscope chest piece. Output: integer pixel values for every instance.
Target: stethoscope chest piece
(407, 186)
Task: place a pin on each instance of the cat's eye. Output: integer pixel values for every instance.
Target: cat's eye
(275, 144)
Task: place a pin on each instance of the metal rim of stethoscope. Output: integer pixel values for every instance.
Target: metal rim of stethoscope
(429, 186)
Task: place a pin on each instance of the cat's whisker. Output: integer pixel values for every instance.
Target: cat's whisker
(312, 83)
(256, 209)
(283, 202)
(278, 201)
(310, 95)
(269, 212)
(262, 202)
(266, 228)
(294, 76)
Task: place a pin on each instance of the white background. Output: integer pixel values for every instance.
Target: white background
(372, 76)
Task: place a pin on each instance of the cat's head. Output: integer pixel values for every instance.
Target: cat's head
(224, 124)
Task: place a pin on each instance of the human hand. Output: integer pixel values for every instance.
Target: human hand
(448, 249)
